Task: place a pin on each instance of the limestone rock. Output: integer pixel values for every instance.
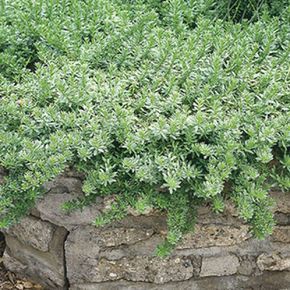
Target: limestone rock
(281, 234)
(81, 247)
(49, 208)
(110, 237)
(134, 212)
(43, 267)
(63, 184)
(282, 219)
(13, 264)
(273, 262)
(71, 172)
(228, 217)
(96, 242)
(219, 266)
(143, 248)
(139, 268)
(118, 236)
(266, 281)
(33, 232)
(215, 235)
(230, 209)
(247, 266)
(157, 222)
(282, 201)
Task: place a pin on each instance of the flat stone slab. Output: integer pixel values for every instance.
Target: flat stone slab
(267, 280)
(138, 268)
(122, 236)
(219, 266)
(50, 209)
(215, 235)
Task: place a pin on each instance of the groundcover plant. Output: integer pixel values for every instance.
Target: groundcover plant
(166, 104)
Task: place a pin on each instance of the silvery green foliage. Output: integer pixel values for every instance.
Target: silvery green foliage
(154, 103)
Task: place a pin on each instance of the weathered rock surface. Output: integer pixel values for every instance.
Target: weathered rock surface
(155, 222)
(115, 237)
(143, 248)
(266, 281)
(281, 234)
(84, 266)
(247, 265)
(41, 267)
(219, 266)
(215, 235)
(110, 237)
(50, 209)
(13, 264)
(282, 201)
(34, 232)
(273, 262)
(228, 217)
(139, 268)
(64, 184)
(282, 219)
(29, 258)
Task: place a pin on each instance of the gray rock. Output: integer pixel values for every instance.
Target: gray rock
(13, 264)
(282, 219)
(247, 266)
(266, 281)
(81, 248)
(228, 217)
(90, 262)
(145, 247)
(156, 270)
(106, 237)
(43, 267)
(71, 172)
(113, 237)
(64, 184)
(157, 222)
(49, 208)
(282, 201)
(139, 268)
(219, 266)
(33, 232)
(215, 235)
(281, 234)
(273, 262)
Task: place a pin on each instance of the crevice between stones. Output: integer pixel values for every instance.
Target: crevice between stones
(2, 244)
(66, 284)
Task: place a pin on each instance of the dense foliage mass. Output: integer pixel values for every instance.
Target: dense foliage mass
(167, 104)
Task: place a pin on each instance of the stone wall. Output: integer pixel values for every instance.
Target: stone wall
(66, 252)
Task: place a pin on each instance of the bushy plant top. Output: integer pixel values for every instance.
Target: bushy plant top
(162, 103)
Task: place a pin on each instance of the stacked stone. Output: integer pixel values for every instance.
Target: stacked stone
(65, 251)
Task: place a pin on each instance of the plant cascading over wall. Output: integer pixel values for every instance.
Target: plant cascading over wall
(166, 104)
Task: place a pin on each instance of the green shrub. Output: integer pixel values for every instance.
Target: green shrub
(162, 107)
